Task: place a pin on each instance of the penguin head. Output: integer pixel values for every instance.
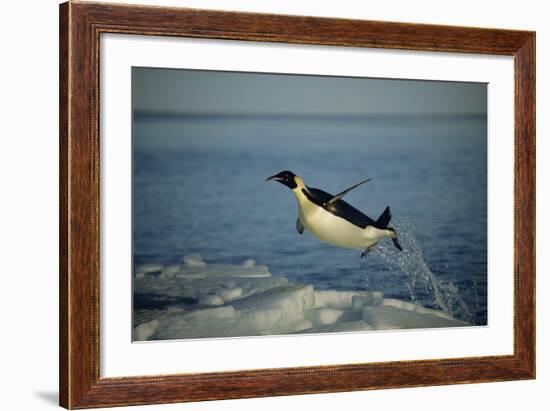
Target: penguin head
(288, 178)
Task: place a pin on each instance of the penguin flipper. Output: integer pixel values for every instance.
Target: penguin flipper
(343, 193)
(339, 208)
(299, 226)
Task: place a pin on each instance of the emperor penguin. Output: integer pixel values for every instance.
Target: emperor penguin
(332, 220)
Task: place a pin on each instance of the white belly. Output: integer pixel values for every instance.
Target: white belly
(338, 231)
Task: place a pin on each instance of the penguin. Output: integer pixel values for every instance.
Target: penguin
(332, 220)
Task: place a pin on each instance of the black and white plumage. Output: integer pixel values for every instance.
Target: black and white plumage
(334, 221)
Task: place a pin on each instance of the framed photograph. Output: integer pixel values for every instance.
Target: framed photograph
(258, 205)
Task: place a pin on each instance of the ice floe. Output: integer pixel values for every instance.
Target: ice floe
(201, 300)
(391, 318)
(194, 260)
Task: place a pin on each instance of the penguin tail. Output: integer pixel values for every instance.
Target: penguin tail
(384, 218)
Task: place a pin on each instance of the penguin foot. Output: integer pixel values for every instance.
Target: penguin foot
(366, 252)
(397, 244)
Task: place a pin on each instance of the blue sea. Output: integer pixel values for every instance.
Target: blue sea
(198, 188)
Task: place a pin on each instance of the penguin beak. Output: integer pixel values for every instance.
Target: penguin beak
(276, 177)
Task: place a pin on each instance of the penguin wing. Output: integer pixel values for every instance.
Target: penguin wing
(339, 207)
(299, 226)
(343, 193)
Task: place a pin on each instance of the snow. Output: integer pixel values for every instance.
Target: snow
(323, 316)
(194, 260)
(170, 270)
(211, 300)
(343, 299)
(222, 270)
(143, 269)
(343, 326)
(405, 305)
(391, 318)
(145, 330)
(201, 300)
(230, 294)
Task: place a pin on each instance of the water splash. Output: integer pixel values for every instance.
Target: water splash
(420, 279)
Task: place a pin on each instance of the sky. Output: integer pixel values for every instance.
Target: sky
(200, 92)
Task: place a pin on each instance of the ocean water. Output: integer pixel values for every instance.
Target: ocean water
(198, 188)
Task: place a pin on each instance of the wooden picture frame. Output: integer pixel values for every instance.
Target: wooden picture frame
(80, 27)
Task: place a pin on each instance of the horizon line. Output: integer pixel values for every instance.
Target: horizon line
(144, 114)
